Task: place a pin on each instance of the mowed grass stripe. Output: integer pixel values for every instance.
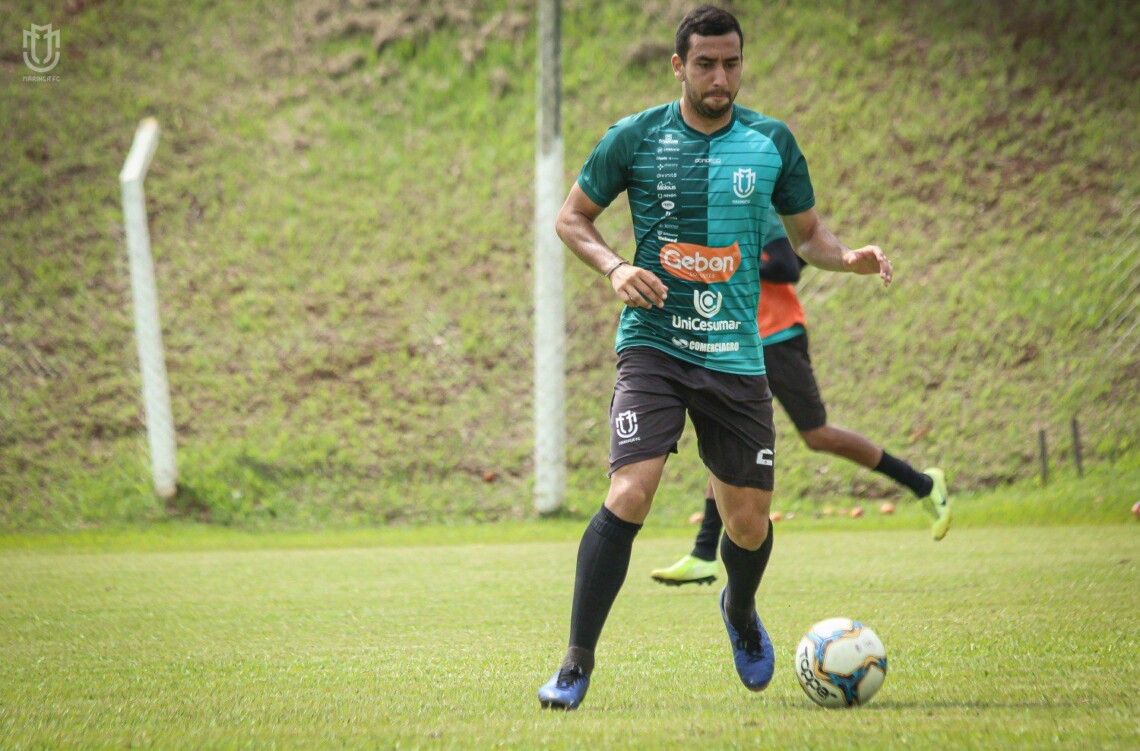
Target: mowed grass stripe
(996, 638)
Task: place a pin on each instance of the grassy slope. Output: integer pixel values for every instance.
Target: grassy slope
(312, 648)
(343, 249)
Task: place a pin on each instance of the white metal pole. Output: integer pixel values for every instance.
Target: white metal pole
(148, 331)
(549, 315)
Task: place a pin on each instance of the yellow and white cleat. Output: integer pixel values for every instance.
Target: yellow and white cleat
(939, 503)
(688, 570)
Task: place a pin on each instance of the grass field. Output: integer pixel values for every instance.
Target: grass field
(998, 638)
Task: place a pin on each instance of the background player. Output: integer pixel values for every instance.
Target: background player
(782, 325)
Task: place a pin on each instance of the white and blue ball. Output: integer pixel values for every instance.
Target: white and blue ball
(841, 663)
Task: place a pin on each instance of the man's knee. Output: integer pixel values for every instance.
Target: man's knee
(748, 531)
(631, 490)
(818, 439)
(744, 512)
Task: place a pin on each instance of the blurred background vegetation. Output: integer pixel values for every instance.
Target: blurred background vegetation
(341, 208)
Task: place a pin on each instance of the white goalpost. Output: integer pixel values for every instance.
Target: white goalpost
(148, 331)
(549, 314)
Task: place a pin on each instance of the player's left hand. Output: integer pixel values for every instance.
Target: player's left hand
(869, 260)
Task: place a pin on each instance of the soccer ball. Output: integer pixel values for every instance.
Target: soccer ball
(840, 663)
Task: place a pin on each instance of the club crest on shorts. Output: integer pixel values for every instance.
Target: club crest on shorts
(626, 424)
(743, 182)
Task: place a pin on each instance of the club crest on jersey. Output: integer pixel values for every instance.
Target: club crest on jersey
(707, 303)
(626, 424)
(743, 182)
(700, 263)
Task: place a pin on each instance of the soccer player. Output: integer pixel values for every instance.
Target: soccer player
(700, 174)
(782, 323)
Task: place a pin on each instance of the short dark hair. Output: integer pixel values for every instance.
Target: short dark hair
(706, 21)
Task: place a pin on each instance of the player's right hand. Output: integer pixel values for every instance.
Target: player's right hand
(869, 259)
(638, 288)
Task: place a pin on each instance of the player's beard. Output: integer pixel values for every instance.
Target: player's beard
(706, 109)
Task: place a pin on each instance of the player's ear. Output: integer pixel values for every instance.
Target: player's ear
(678, 67)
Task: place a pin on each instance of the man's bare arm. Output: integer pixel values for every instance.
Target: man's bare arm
(635, 287)
(819, 247)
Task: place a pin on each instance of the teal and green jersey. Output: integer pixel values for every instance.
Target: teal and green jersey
(700, 206)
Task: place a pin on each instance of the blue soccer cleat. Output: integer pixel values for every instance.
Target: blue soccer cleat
(751, 651)
(565, 690)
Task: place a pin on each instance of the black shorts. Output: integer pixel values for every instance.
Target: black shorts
(793, 382)
(731, 413)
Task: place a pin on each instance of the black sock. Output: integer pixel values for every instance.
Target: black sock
(603, 560)
(580, 656)
(745, 569)
(904, 474)
(709, 533)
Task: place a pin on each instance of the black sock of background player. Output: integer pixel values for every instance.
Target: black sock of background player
(745, 569)
(603, 561)
(709, 533)
(904, 474)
